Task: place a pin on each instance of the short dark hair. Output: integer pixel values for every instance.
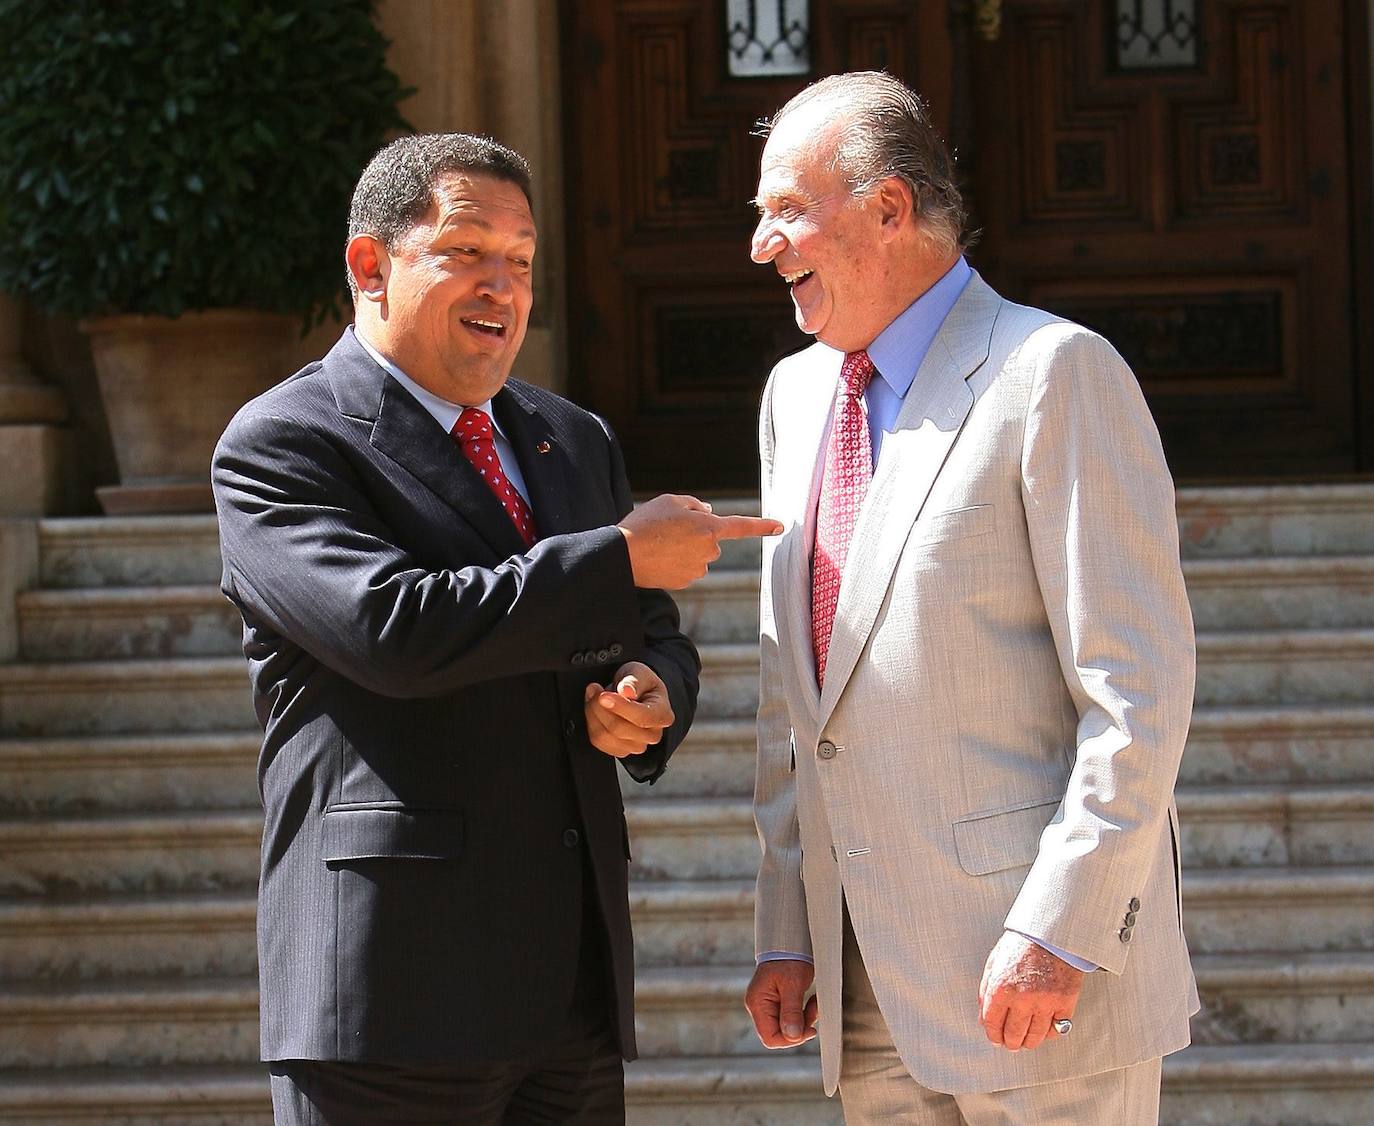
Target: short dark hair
(396, 188)
(891, 135)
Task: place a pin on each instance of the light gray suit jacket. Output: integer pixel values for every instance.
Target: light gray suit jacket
(1007, 695)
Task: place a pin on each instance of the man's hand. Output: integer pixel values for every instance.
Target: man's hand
(1024, 988)
(632, 717)
(774, 1000)
(673, 538)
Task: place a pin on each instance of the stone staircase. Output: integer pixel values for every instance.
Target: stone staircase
(129, 827)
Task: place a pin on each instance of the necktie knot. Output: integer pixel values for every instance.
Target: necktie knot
(474, 425)
(856, 373)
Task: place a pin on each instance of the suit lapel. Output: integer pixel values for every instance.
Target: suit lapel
(931, 417)
(407, 433)
(804, 417)
(545, 463)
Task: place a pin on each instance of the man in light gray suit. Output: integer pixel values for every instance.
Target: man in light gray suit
(977, 662)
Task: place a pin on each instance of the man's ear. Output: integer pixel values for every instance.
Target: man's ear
(370, 266)
(895, 206)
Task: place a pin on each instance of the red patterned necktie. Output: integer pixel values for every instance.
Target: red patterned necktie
(848, 469)
(477, 439)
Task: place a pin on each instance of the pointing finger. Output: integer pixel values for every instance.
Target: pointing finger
(742, 527)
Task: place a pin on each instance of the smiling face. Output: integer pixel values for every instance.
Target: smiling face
(458, 289)
(827, 244)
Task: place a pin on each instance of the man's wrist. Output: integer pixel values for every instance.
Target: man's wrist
(783, 956)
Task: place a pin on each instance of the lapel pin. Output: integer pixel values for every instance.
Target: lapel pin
(543, 447)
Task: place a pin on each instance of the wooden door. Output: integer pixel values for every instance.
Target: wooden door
(1197, 213)
(672, 329)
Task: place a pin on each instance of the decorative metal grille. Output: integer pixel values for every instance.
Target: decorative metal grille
(1156, 33)
(768, 38)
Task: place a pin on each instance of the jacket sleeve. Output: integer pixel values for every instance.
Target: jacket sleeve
(666, 649)
(1099, 506)
(307, 554)
(780, 922)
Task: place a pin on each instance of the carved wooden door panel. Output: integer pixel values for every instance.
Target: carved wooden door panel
(1192, 207)
(672, 329)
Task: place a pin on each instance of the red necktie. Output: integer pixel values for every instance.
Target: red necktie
(848, 469)
(477, 439)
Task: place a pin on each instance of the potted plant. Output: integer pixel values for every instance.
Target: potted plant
(177, 174)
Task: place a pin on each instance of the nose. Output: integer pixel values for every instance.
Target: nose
(496, 282)
(767, 243)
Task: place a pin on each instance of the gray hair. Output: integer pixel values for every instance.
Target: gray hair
(890, 135)
(396, 189)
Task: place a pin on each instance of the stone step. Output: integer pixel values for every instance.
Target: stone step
(1315, 744)
(1235, 667)
(206, 770)
(1275, 825)
(1285, 666)
(693, 839)
(1255, 910)
(1269, 1085)
(1319, 997)
(1205, 1085)
(1223, 826)
(1214, 522)
(693, 923)
(1285, 592)
(86, 697)
(198, 1095)
(1254, 998)
(176, 550)
(681, 839)
(1232, 910)
(196, 934)
(199, 1020)
(778, 1089)
(104, 622)
(671, 839)
(128, 551)
(1227, 521)
(715, 760)
(180, 850)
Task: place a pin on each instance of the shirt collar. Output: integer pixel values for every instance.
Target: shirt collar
(445, 413)
(900, 348)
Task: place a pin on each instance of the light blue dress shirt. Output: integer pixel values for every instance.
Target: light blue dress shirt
(446, 415)
(897, 354)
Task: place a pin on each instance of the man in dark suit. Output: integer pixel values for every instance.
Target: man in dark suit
(453, 632)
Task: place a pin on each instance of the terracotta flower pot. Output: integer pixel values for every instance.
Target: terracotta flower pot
(170, 386)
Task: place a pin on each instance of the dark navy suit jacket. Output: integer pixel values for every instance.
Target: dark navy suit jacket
(425, 772)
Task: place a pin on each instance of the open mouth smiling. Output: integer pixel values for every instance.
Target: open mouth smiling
(796, 278)
(485, 327)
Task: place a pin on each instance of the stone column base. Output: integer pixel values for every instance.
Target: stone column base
(31, 457)
(155, 497)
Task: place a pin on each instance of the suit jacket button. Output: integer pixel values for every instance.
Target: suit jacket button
(1130, 919)
(570, 838)
(577, 659)
(616, 649)
(826, 750)
(602, 656)
(1134, 904)
(571, 728)
(1125, 933)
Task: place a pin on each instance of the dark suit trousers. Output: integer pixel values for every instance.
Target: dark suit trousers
(579, 1078)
